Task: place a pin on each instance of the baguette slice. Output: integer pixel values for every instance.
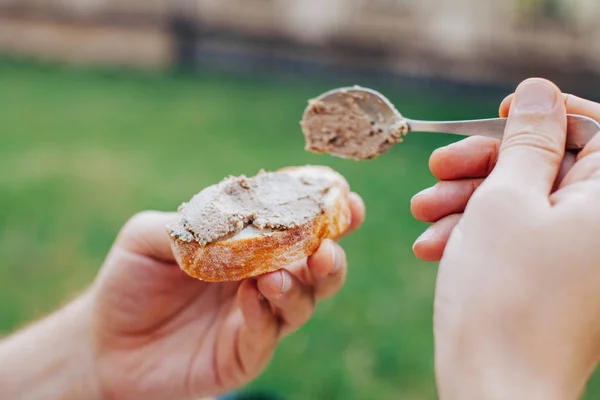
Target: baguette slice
(253, 251)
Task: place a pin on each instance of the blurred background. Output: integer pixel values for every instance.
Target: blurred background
(109, 107)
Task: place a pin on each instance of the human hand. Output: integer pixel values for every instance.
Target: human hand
(517, 299)
(159, 334)
(461, 167)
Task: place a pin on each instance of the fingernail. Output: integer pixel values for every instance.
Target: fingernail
(535, 95)
(422, 193)
(425, 236)
(286, 282)
(337, 258)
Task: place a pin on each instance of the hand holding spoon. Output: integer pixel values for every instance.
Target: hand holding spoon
(361, 124)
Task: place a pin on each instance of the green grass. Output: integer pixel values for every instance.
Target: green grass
(82, 150)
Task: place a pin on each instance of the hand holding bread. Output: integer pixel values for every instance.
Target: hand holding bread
(159, 333)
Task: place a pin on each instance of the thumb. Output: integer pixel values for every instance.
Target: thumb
(534, 140)
(146, 234)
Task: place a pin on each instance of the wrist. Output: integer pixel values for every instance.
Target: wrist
(52, 358)
(489, 373)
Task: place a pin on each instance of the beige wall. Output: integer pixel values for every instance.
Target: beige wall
(459, 29)
(470, 35)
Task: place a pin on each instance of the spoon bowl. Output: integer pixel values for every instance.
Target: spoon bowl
(353, 122)
(370, 101)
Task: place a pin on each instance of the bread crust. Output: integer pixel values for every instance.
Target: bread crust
(235, 258)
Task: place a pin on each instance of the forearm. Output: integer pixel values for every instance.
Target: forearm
(483, 377)
(51, 359)
(475, 387)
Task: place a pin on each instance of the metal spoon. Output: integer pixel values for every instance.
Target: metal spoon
(367, 105)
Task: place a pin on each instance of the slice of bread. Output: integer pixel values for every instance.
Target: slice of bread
(253, 251)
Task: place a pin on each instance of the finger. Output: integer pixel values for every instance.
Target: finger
(473, 157)
(252, 329)
(586, 165)
(565, 167)
(146, 234)
(357, 214)
(294, 302)
(329, 261)
(431, 244)
(574, 105)
(255, 309)
(534, 140)
(328, 268)
(442, 199)
(451, 197)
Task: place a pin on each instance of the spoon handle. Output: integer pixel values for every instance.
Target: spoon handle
(580, 129)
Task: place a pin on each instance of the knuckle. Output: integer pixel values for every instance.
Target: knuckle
(137, 222)
(310, 308)
(535, 138)
(330, 287)
(299, 314)
(590, 153)
(589, 157)
(594, 172)
(139, 218)
(488, 193)
(501, 197)
(503, 205)
(593, 146)
(587, 167)
(531, 115)
(492, 156)
(568, 100)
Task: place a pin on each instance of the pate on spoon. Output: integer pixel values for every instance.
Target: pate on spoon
(361, 124)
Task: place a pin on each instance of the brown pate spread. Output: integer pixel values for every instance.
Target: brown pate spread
(345, 129)
(274, 200)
